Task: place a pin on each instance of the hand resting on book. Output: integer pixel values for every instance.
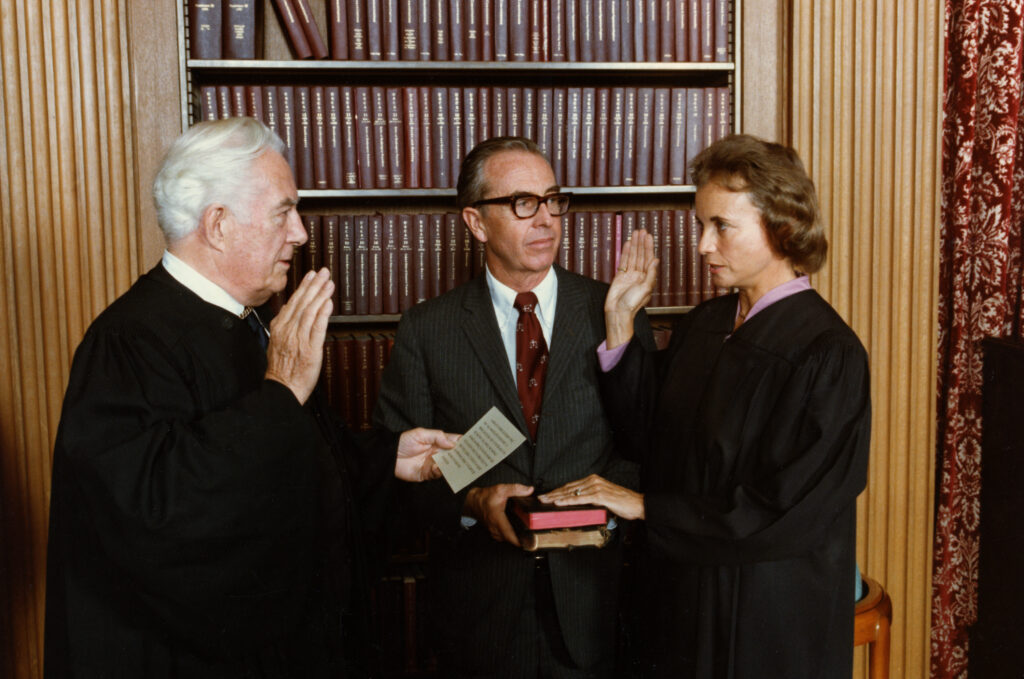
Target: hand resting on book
(597, 490)
(487, 504)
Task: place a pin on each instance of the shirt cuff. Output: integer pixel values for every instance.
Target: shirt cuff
(609, 358)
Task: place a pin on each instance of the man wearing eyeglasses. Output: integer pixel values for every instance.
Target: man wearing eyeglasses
(500, 611)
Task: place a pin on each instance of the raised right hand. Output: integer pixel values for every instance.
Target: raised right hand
(631, 288)
(487, 504)
(296, 349)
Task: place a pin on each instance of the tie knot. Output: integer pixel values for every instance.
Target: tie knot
(526, 302)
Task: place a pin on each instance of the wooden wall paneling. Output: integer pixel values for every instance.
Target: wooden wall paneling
(865, 103)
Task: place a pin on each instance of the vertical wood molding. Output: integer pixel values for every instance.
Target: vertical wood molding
(69, 247)
(866, 118)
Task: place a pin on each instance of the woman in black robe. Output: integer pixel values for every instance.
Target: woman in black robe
(752, 429)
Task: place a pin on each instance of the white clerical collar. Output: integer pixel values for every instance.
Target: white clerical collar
(207, 290)
(504, 297)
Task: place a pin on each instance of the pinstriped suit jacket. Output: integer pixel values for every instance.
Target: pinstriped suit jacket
(449, 367)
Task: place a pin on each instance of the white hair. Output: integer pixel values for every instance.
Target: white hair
(210, 163)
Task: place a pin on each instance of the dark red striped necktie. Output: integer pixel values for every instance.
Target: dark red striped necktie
(531, 360)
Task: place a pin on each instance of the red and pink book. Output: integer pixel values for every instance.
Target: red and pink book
(537, 515)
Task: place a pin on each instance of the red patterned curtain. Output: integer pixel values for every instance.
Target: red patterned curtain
(980, 283)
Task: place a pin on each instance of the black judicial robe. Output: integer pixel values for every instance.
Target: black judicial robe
(202, 520)
(753, 449)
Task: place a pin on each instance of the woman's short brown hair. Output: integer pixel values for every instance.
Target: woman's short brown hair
(779, 188)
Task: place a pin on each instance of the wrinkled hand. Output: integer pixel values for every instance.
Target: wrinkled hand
(296, 349)
(595, 490)
(631, 288)
(416, 449)
(487, 504)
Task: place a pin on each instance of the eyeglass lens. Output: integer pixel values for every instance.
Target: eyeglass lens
(527, 206)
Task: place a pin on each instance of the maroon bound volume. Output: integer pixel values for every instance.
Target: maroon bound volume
(501, 31)
(254, 101)
(374, 34)
(470, 124)
(337, 31)
(411, 139)
(667, 22)
(655, 228)
(271, 117)
(660, 143)
(205, 18)
(238, 104)
(239, 40)
(345, 361)
(587, 139)
(364, 137)
(594, 251)
(426, 151)
(487, 30)
(723, 121)
(440, 140)
(349, 139)
(677, 137)
(544, 103)
(557, 29)
(606, 250)
(694, 266)
(667, 274)
(693, 36)
(208, 102)
(518, 30)
(396, 138)
(320, 147)
(586, 27)
(601, 130)
(707, 30)
(421, 257)
(572, 30)
(310, 30)
(452, 275)
(473, 29)
(652, 50)
(565, 249)
(581, 242)
(721, 30)
(332, 255)
(292, 24)
(537, 22)
(627, 51)
(681, 11)
(537, 515)
(286, 109)
(435, 272)
(457, 29)
(406, 270)
(346, 268)
(424, 37)
(694, 124)
(644, 135)
(357, 49)
(513, 111)
(629, 136)
(304, 138)
(364, 382)
(680, 255)
(312, 257)
(439, 30)
(361, 265)
(529, 115)
(375, 264)
(390, 30)
(335, 172)
(558, 135)
(483, 117)
(389, 270)
(455, 138)
(408, 30)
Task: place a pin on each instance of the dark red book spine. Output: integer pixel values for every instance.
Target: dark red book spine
(545, 30)
(470, 124)
(627, 52)
(380, 138)
(441, 141)
(587, 139)
(558, 134)
(694, 124)
(655, 227)
(390, 26)
(629, 130)
(677, 137)
(455, 126)
(501, 30)
(362, 264)
(380, 361)
(640, 30)
(421, 257)
(483, 118)
(693, 37)
(436, 274)
(724, 118)
(529, 114)
(375, 264)
(320, 145)
(581, 242)
(357, 47)
(345, 280)
(660, 143)
(332, 255)
(680, 254)
(364, 136)
(310, 30)
(586, 28)
(313, 258)
(600, 13)
(304, 138)
(426, 151)
(424, 32)
(389, 272)
(239, 40)
(499, 121)
(411, 136)
(536, 40)
(396, 138)
(594, 251)
(652, 50)
(451, 252)
(601, 130)
(254, 101)
(467, 250)
(707, 30)
(565, 249)
(710, 115)
(374, 35)
(667, 41)
(364, 381)
(666, 253)
(473, 30)
(271, 118)
(406, 263)
(681, 29)
(572, 30)
(544, 109)
(329, 371)
(350, 143)
(345, 360)
(457, 30)
(208, 102)
(335, 173)
(513, 111)
(486, 30)
(721, 30)
(439, 28)
(607, 246)
(286, 101)
(694, 263)
(408, 18)
(337, 31)
(238, 104)
(205, 18)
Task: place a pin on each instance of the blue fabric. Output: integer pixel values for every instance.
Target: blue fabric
(858, 588)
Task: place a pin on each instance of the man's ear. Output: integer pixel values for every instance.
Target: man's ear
(475, 222)
(214, 225)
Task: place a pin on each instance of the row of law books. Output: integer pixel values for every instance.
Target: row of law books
(384, 264)
(351, 373)
(415, 137)
(472, 30)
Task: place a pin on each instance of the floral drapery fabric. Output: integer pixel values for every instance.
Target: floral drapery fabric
(980, 281)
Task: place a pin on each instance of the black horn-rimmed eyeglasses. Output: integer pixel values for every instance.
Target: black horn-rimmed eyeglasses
(526, 205)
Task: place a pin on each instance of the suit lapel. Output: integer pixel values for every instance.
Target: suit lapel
(481, 330)
(567, 335)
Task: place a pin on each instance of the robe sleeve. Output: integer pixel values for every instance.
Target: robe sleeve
(807, 466)
(205, 510)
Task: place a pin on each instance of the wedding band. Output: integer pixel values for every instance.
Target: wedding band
(622, 268)
(579, 491)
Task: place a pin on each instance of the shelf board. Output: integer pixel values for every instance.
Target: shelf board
(394, 318)
(489, 67)
(685, 189)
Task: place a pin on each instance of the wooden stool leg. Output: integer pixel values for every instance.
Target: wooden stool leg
(878, 650)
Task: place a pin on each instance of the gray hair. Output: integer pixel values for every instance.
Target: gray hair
(210, 163)
(472, 185)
